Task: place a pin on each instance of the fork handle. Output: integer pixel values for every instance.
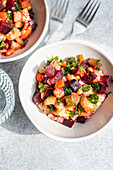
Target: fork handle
(76, 29)
(53, 26)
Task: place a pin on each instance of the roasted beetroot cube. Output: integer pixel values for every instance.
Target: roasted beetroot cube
(75, 85)
(57, 77)
(68, 122)
(67, 84)
(84, 64)
(81, 119)
(106, 79)
(49, 71)
(2, 6)
(37, 98)
(5, 27)
(105, 82)
(89, 78)
(48, 92)
(77, 69)
(11, 5)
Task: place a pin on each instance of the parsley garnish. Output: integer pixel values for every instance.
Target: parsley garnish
(2, 44)
(96, 87)
(78, 108)
(9, 15)
(53, 58)
(93, 98)
(81, 66)
(42, 86)
(18, 6)
(67, 91)
(61, 61)
(59, 101)
(71, 113)
(86, 88)
(13, 30)
(97, 68)
(98, 62)
(67, 70)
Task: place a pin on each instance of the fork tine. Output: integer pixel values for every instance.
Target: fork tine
(94, 13)
(54, 8)
(84, 9)
(65, 10)
(62, 8)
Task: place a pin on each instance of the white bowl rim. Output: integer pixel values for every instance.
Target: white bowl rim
(36, 43)
(65, 139)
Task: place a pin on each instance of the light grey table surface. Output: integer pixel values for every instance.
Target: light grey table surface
(23, 147)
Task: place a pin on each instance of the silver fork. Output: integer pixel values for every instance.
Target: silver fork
(84, 18)
(57, 17)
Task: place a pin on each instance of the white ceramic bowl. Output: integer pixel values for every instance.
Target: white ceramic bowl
(27, 88)
(41, 17)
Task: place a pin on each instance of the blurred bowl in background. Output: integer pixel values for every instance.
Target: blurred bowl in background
(41, 17)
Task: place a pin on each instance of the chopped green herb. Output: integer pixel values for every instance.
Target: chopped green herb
(67, 91)
(16, 0)
(59, 101)
(86, 88)
(13, 30)
(72, 60)
(97, 68)
(71, 113)
(42, 86)
(96, 87)
(78, 108)
(81, 66)
(67, 70)
(53, 58)
(52, 108)
(93, 98)
(98, 62)
(61, 61)
(2, 44)
(18, 6)
(9, 15)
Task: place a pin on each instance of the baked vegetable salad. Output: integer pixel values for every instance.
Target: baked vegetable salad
(69, 91)
(16, 25)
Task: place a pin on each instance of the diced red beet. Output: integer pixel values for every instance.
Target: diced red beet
(33, 24)
(75, 85)
(89, 78)
(106, 79)
(5, 27)
(37, 98)
(11, 5)
(77, 69)
(57, 77)
(2, 6)
(84, 64)
(68, 122)
(67, 84)
(81, 119)
(105, 82)
(8, 41)
(49, 71)
(48, 92)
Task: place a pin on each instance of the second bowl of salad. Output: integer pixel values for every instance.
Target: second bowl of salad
(23, 25)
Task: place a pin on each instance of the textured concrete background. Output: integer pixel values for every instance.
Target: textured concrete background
(23, 147)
